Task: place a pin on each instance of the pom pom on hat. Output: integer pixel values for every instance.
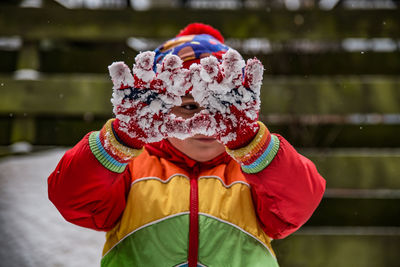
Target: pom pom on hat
(200, 28)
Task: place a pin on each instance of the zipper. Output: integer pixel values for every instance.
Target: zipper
(194, 218)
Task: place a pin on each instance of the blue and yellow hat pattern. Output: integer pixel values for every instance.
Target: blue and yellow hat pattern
(191, 48)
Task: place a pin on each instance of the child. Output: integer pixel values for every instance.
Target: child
(186, 175)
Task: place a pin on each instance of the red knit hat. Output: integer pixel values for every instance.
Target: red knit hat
(195, 41)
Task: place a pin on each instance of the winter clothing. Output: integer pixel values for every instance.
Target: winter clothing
(162, 208)
(193, 43)
(149, 207)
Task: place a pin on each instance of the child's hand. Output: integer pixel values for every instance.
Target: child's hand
(142, 101)
(231, 98)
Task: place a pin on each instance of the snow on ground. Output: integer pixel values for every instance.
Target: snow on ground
(33, 233)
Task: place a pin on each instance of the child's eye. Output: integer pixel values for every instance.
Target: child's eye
(190, 106)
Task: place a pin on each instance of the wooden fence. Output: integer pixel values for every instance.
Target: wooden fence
(338, 104)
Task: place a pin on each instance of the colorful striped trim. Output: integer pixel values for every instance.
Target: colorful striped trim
(261, 148)
(245, 153)
(102, 156)
(259, 153)
(108, 151)
(119, 151)
(265, 159)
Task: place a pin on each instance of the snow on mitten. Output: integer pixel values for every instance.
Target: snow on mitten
(231, 97)
(141, 101)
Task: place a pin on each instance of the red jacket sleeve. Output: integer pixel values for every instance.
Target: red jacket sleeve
(286, 192)
(85, 192)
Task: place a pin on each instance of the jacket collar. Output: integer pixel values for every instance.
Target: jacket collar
(166, 150)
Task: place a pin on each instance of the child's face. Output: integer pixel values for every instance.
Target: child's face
(199, 147)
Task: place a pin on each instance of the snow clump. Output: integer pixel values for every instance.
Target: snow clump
(146, 98)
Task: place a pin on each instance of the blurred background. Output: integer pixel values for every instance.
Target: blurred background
(331, 87)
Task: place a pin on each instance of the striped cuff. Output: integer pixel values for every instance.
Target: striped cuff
(108, 151)
(257, 155)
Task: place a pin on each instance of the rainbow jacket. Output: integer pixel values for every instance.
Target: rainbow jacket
(165, 209)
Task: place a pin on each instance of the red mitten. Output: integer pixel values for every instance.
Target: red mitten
(142, 101)
(233, 99)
